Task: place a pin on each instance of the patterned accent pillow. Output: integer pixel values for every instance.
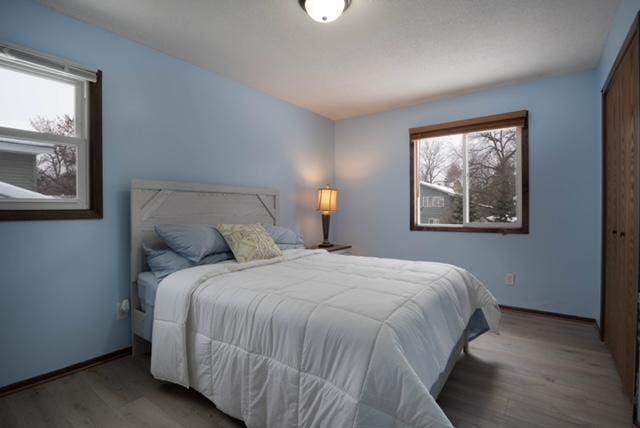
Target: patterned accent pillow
(249, 241)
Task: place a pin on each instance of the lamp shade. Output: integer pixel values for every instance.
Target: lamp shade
(327, 199)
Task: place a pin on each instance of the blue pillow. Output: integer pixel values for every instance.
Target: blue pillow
(165, 262)
(192, 241)
(286, 239)
(216, 258)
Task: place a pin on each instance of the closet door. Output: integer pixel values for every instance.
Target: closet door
(629, 234)
(611, 218)
(621, 213)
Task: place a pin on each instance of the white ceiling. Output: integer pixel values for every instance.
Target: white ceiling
(381, 54)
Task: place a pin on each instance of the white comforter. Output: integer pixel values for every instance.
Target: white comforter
(313, 339)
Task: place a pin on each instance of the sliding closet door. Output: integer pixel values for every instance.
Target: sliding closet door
(611, 219)
(621, 213)
(629, 235)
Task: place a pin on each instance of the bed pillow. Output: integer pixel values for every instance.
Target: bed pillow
(216, 258)
(192, 241)
(285, 239)
(165, 262)
(249, 242)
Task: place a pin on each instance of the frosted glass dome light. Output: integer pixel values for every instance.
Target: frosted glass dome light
(324, 10)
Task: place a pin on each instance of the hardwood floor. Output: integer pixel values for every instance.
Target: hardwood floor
(539, 372)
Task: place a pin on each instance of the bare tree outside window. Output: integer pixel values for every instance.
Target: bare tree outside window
(440, 160)
(492, 176)
(56, 170)
(434, 160)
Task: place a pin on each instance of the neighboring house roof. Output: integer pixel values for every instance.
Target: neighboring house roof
(440, 188)
(10, 191)
(27, 148)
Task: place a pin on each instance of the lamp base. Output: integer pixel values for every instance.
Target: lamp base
(326, 219)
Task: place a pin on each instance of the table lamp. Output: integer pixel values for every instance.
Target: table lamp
(327, 204)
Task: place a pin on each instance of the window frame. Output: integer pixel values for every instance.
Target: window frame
(518, 119)
(88, 203)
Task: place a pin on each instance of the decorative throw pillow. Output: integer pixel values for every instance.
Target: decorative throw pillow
(285, 239)
(249, 242)
(193, 241)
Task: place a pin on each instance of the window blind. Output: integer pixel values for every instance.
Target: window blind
(28, 59)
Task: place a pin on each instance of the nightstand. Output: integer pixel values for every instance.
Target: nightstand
(335, 248)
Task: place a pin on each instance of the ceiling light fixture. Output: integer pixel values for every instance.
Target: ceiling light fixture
(324, 10)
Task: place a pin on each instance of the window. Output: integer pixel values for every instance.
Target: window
(471, 175)
(50, 138)
(432, 202)
(435, 202)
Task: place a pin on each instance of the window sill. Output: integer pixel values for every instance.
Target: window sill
(523, 230)
(20, 215)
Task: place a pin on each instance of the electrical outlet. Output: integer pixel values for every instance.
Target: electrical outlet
(510, 279)
(122, 309)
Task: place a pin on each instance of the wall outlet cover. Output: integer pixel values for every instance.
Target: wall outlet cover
(510, 279)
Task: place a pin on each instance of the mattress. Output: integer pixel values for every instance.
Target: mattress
(147, 289)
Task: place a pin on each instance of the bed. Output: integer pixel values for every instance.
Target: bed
(306, 339)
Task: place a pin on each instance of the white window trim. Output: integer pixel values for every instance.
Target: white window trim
(81, 142)
(465, 174)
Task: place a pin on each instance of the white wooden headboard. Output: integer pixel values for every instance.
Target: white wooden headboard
(165, 202)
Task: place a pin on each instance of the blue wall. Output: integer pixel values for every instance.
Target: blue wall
(557, 263)
(163, 119)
